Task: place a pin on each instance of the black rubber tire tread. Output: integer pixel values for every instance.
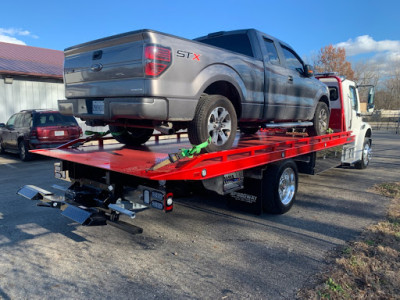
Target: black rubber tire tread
(315, 130)
(271, 202)
(197, 129)
(131, 136)
(361, 164)
(24, 154)
(2, 151)
(249, 130)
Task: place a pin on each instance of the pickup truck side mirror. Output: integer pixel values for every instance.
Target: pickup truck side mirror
(308, 71)
(2, 125)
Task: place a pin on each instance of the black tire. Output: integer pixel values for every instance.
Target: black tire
(366, 155)
(249, 130)
(131, 136)
(2, 151)
(320, 120)
(280, 183)
(215, 116)
(24, 154)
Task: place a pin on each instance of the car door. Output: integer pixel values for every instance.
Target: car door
(8, 131)
(301, 90)
(15, 132)
(275, 81)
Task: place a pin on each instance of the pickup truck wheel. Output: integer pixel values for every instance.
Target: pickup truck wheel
(215, 116)
(366, 156)
(320, 121)
(24, 154)
(280, 187)
(249, 130)
(131, 136)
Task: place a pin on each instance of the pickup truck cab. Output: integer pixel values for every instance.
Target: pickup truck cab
(144, 80)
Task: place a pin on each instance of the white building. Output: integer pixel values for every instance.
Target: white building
(30, 78)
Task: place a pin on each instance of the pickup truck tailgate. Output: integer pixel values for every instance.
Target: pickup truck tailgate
(111, 66)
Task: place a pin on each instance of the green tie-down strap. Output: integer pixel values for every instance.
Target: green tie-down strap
(94, 133)
(195, 149)
(174, 157)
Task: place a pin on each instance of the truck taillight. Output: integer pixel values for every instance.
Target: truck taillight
(157, 59)
(168, 202)
(33, 134)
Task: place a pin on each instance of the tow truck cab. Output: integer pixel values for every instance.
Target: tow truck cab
(346, 115)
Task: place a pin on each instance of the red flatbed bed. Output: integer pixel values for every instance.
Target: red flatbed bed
(247, 152)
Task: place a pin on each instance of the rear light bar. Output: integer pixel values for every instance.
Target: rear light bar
(157, 60)
(157, 199)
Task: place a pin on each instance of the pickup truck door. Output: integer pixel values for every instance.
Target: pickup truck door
(275, 81)
(301, 91)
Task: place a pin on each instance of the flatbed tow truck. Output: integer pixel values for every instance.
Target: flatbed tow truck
(260, 172)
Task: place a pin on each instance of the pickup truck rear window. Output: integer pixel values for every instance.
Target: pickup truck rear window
(234, 42)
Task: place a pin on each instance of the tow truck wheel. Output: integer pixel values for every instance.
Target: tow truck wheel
(24, 154)
(366, 155)
(215, 116)
(131, 136)
(280, 187)
(320, 121)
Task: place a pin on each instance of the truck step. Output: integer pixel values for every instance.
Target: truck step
(77, 214)
(32, 192)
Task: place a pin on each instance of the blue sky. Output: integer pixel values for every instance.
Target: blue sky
(307, 25)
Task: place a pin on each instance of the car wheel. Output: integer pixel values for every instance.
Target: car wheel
(366, 155)
(215, 116)
(24, 154)
(2, 150)
(131, 136)
(249, 130)
(320, 121)
(280, 187)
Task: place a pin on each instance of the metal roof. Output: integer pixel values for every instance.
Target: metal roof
(26, 60)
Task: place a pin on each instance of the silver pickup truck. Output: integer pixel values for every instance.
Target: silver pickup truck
(144, 80)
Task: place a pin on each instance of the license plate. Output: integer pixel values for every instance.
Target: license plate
(59, 133)
(98, 107)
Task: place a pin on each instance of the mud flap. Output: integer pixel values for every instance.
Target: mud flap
(248, 199)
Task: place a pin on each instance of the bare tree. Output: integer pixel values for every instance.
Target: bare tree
(331, 59)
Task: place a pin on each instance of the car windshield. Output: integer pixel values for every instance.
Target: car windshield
(53, 119)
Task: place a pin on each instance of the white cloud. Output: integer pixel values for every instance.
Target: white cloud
(382, 54)
(10, 39)
(366, 44)
(8, 35)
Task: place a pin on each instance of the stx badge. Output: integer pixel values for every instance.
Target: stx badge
(188, 55)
